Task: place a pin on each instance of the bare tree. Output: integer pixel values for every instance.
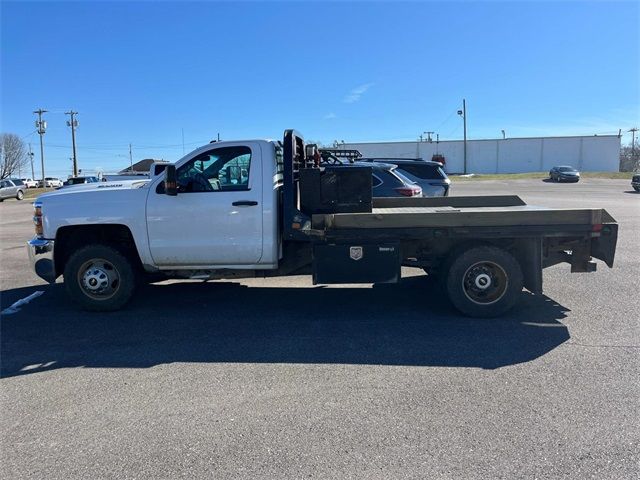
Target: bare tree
(13, 155)
(630, 157)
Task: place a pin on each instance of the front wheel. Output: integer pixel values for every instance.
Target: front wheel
(484, 281)
(99, 278)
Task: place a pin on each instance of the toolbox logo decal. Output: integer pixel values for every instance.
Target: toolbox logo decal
(355, 253)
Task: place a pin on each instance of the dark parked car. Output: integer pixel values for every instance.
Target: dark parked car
(387, 181)
(79, 181)
(429, 175)
(635, 182)
(564, 174)
(11, 188)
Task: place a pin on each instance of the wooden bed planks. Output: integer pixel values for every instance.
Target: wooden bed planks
(419, 217)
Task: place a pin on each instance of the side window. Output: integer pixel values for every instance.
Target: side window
(425, 172)
(221, 169)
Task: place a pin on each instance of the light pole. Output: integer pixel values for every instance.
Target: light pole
(504, 134)
(463, 114)
(73, 123)
(41, 126)
(33, 175)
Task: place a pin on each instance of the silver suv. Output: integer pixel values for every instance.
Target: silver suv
(11, 188)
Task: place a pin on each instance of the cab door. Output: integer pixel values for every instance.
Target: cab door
(216, 218)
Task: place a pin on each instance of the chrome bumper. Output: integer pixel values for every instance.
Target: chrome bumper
(41, 258)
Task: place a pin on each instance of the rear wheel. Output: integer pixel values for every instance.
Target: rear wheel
(637, 189)
(20, 195)
(99, 278)
(484, 281)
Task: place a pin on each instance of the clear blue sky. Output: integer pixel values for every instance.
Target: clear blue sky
(141, 72)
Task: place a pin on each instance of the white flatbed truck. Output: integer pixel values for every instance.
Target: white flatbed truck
(259, 208)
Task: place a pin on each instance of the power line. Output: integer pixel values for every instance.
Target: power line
(126, 145)
(453, 112)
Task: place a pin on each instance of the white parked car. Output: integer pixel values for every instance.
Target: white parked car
(29, 182)
(50, 182)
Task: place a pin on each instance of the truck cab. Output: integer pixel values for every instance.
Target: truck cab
(225, 213)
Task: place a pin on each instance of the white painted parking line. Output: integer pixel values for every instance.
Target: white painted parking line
(15, 307)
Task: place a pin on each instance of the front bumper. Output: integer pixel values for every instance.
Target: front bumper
(41, 258)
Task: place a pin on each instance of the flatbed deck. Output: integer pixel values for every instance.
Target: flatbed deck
(504, 211)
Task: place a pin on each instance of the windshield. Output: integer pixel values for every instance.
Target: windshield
(567, 169)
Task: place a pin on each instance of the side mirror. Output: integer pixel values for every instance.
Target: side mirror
(170, 180)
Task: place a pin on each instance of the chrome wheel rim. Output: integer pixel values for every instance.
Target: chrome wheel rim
(20, 195)
(99, 279)
(485, 283)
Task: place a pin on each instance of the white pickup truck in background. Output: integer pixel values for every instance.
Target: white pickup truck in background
(239, 209)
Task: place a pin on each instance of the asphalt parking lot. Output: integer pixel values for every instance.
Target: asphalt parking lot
(280, 379)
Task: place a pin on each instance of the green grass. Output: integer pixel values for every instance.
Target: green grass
(32, 193)
(540, 175)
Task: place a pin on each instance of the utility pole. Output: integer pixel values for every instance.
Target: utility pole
(463, 114)
(130, 159)
(429, 139)
(633, 145)
(41, 126)
(33, 175)
(73, 123)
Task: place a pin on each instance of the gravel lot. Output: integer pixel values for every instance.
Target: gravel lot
(278, 379)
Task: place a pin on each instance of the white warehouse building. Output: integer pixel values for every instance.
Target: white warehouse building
(597, 153)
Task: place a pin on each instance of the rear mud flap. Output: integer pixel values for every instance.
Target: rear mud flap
(604, 247)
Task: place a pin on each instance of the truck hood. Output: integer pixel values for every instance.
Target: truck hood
(95, 187)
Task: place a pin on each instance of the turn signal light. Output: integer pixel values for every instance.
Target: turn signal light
(37, 219)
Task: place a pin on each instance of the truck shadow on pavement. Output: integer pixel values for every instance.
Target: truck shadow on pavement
(410, 323)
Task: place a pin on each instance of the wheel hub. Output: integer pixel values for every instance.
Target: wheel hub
(95, 280)
(483, 281)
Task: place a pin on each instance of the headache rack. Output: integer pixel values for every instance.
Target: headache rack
(332, 188)
(334, 155)
(295, 223)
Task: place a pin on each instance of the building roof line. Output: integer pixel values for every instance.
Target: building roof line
(486, 139)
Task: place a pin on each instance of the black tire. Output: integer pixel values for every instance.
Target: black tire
(106, 267)
(484, 281)
(637, 189)
(19, 195)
